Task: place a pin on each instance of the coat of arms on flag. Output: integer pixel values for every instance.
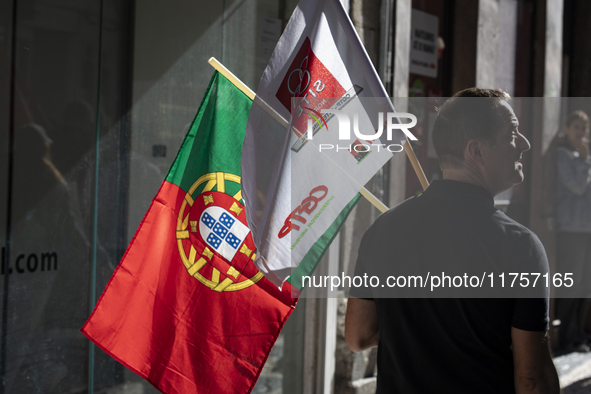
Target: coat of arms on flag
(213, 239)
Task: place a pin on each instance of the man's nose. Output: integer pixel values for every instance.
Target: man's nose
(524, 144)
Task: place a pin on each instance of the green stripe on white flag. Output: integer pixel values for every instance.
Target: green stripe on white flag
(308, 265)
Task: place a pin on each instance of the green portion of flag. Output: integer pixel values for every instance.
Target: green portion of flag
(308, 265)
(210, 146)
(222, 115)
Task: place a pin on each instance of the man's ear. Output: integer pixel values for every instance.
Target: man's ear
(474, 151)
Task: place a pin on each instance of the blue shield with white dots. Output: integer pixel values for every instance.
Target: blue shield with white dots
(222, 231)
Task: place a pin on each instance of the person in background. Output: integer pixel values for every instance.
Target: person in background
(573, 222)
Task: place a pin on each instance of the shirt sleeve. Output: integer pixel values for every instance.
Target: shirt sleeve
(529, 313)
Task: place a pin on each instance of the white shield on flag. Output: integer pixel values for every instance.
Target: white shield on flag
(222, 231)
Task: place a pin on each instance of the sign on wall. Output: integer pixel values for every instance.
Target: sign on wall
(423, 50)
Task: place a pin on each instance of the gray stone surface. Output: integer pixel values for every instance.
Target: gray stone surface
(270, 381)
(364, 386)
(553, 50)
(125, 388)
(574, 370)
(402, 39)
(351, 367)
(343, 355)
(365, 15)
(486, 46)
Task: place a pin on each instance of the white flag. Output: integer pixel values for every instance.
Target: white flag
(294, 188)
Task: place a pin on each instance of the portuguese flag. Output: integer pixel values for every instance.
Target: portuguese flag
(186, 308)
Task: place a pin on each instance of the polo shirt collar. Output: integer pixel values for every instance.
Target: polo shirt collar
(466, 189)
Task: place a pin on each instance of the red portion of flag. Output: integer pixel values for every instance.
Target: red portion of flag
(173, 329)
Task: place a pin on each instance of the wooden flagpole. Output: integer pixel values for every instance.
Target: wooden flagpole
(364, 192)
(416, 165)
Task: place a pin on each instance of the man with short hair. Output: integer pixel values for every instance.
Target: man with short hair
(458, 345)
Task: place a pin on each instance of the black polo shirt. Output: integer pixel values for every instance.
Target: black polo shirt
(455, 345)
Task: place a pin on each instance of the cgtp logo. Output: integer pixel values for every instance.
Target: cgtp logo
(312, 83)
(308, 205)
(309, 88)
(301, 76)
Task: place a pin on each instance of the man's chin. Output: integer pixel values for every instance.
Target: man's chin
(519, 177)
